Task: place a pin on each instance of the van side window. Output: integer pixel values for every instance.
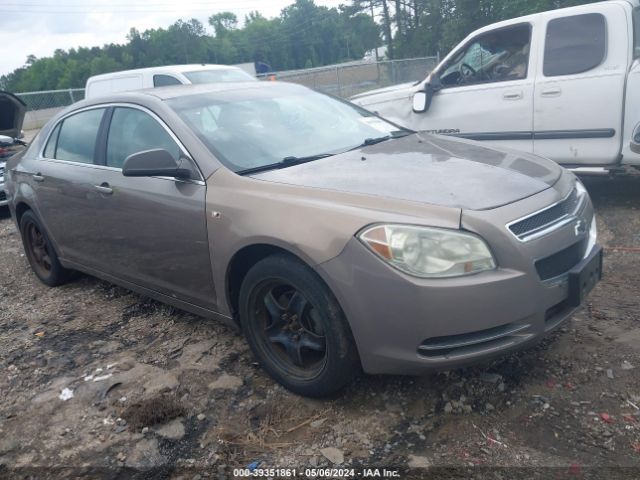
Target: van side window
(77, 137)
(636, 32)
(50, 149)
(497, 56)
(165, 81)
(134, 131)
(575, 44)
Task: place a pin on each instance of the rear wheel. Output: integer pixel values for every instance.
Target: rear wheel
(296, 328)
(40, 252)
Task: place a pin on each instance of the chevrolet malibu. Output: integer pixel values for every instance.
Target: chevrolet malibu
(337, 241)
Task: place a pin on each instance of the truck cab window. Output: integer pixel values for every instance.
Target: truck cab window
(575, 44)
(497, 56)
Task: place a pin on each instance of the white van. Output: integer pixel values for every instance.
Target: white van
(564, 84)
(127, 80)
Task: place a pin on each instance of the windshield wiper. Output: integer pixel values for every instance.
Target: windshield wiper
(372, 141)
(285, 162)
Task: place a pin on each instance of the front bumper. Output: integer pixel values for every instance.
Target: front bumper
(407, 325)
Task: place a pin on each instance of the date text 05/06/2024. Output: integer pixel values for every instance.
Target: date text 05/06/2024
(316, 473)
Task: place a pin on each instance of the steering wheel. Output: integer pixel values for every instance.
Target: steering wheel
(466, 71)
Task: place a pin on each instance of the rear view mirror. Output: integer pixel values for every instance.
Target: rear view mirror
(153, 163)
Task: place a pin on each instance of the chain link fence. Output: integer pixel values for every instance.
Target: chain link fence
(51, 98)
(348, 79)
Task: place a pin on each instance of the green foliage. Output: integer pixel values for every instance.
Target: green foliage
(304, 35)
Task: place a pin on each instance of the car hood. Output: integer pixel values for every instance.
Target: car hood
(12, 111)
(401, 88)
(428, 169)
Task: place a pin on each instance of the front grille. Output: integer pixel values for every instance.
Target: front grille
(546, 218)
(3, 196)
(561, 262)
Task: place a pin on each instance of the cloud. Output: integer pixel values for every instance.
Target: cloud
(39, 28)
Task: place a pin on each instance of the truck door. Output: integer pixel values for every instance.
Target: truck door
(579, 90)
(486, 90)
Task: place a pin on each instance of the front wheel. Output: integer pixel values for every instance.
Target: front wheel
(296, 328)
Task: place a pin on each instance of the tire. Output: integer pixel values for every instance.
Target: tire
(40, 252)
(296, 328)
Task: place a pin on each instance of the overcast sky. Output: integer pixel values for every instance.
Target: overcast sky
(41, 26)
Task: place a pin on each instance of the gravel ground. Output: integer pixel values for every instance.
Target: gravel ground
(156, 388)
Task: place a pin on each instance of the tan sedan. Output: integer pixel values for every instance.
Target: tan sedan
(336, 240)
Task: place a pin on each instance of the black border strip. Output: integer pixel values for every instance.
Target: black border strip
(542, 135)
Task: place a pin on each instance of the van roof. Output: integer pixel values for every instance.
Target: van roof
(194, 67)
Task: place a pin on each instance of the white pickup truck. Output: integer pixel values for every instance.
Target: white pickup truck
(564, 84)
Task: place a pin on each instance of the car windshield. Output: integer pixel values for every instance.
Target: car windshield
(254, 128)
(221, 75)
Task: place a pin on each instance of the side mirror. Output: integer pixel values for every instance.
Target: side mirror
(154, 163)
(635, 143)
(422, 99)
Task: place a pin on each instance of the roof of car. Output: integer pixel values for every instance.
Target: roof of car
(174, 91)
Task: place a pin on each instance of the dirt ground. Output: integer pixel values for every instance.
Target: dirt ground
(160, 392)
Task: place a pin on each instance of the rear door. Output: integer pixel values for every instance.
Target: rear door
(64, 177)
(579, 91)
(153, 228)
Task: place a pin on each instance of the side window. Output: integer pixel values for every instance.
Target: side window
(165, 81)
(636, 32)
(77, 136)
(497, 56)
(575, 44)
(50, 149)
(134, 131)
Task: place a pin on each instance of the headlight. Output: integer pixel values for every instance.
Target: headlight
(429, 252)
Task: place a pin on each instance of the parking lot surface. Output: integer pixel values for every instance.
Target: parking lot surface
(94, 376)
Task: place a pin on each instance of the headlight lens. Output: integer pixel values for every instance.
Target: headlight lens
(429, 252)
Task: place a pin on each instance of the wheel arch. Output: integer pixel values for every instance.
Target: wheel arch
(240, 264)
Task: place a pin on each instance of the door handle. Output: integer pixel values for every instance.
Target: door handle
(37, 177)
(104, 188)
(552, 92)
(512, 96)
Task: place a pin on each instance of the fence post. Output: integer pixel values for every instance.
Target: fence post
(338, 80)
(73, 100)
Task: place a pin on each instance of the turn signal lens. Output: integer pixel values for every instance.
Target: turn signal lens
(429, 252)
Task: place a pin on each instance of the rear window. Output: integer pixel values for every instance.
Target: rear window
(575, 44)
(218, 76)
(77, 137)
(165, 81)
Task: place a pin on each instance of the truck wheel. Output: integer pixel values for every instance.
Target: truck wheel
(296, 328)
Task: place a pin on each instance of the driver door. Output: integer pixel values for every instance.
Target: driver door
(487, 90)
